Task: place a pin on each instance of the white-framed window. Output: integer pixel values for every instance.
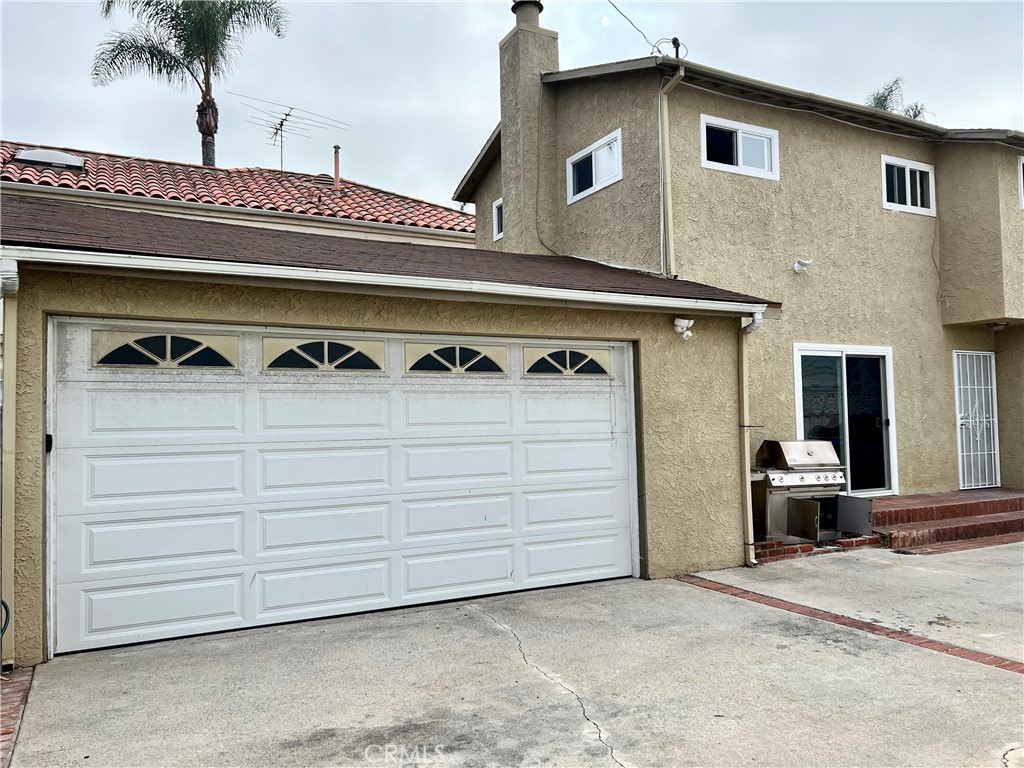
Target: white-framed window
(908, 186)
(751, 150)
(1020, 179)
(498, 218)
(594, 168)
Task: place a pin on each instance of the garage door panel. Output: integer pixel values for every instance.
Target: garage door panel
(308, 469)
(573, 411)
(466, 516)
(457, 463)
(137, 611)
(574, 458)
(444, 574)
(337, 413)
(577, 558)
(323, 589)
(578, 507)
(308, 531)
(144, 415)
(141, 544)
(91, 478)
(456, 412)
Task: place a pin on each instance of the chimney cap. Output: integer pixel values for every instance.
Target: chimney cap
(517, 3)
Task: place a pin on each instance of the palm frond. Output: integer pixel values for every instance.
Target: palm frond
(915, 111)
(140, 51)
(889, 97)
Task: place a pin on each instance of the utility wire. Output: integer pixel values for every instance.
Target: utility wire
(654, 46)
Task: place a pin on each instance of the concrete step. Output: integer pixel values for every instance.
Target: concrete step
(961, 546)
(926, 507)
(907, 535)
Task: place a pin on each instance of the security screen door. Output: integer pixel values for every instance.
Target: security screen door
(842, 397)
(977, 424)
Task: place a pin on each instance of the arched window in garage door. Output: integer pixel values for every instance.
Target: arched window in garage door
(163, 350)
(566, 362)
(322, 355)
(432, 358)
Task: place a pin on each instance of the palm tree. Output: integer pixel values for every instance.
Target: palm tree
(890, 98)
(183, 42)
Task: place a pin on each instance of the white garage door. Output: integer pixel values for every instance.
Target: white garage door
(211, 478)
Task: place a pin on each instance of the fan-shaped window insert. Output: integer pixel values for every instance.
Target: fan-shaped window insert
(163, 350)
(322, 355)
(455, 358)
(566, 362)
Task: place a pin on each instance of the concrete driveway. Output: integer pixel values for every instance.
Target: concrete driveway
(625, 673)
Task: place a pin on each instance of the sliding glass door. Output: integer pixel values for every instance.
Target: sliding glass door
(844, 395)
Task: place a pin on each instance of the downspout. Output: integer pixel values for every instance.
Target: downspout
(9, 291)
(668, 248)
(747, 501)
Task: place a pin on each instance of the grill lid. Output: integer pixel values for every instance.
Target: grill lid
(796, 454)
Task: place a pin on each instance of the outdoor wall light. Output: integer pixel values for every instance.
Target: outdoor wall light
(802, 265)
(682, 326)
(997, 327)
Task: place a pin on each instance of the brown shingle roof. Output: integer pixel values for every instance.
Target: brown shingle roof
(39, 222)
(259, 188)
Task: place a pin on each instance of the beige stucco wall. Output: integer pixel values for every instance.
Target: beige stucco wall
(687, 400)
(1012, 221)
(874, 280)
(487, 192)
(982, 232)
(619, 223)
(1010, 391)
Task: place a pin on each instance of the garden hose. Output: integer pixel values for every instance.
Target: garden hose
(7, 617)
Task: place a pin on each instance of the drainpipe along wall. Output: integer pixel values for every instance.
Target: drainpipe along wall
(668, 248)
(9, 291)
(747, 501)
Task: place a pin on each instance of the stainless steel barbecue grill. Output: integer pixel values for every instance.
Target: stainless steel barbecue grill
(797, 492)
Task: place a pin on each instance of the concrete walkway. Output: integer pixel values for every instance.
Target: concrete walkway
(623, 673)
(974, 599)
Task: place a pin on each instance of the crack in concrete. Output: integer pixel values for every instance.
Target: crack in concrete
(1005, 759)
(559, 683)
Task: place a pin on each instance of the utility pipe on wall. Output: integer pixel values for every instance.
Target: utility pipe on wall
(9, 291)
(668, 248)
(747, 501)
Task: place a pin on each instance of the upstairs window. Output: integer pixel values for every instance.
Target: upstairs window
(908, 186)
(594, 168)
(739, 148)
(498, 218)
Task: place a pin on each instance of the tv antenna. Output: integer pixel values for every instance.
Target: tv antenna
(286, 121)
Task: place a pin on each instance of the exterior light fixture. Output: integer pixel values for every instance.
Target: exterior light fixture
(802, 265)
(997, 327)
(682, 326)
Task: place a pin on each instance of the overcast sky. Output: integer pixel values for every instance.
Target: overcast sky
(418, 82)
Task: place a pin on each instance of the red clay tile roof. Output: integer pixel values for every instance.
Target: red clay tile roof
(37, 222)
(258, 188)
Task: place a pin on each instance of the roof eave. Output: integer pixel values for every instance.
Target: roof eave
(481, 165)
(314, 278)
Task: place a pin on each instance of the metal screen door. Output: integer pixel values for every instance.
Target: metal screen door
(977, 426)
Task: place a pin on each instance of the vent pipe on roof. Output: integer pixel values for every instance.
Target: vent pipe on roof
(337, 166)
(527, 12)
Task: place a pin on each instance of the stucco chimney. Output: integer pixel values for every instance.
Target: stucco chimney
(527, 139)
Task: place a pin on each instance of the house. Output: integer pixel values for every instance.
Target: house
(896, 246)
(219, 422)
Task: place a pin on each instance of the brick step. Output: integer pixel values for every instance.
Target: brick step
(908, 535)
(960, 546)
(899, 510)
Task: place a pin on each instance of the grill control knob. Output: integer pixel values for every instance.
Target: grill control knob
(780, 479)
(818, 478)
(801, 478)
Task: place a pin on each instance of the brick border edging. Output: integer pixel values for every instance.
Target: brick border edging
(999, 662)
(16, 688)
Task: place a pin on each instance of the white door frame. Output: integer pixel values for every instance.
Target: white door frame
(995, 418)
(50, 396)
(841, 350)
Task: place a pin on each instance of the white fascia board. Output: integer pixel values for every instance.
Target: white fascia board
(398, 282)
